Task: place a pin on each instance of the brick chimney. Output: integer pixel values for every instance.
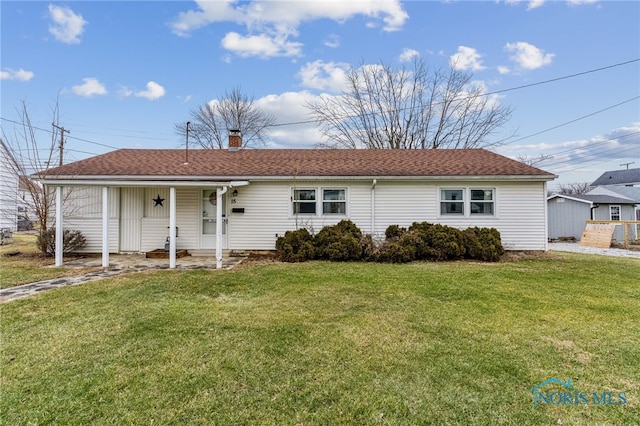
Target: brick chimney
(235, 140)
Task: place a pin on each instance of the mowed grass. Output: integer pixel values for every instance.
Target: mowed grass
(21, 263)
(328, 343)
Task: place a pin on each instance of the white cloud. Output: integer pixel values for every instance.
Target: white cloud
(270, 24)
(90, 87)
(124, 92)
(20, 75)
(504, 70)
(619, 143)
(408, 54)
(328, 76)
(289, 108)
(528, 56)
(534, 4)
(66, 26)
(581, 2)
(467, 58)
(332, 41)
(260, 45)
(154, 91)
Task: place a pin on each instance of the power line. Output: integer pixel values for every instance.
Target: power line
(571, 121)
(494, 92)
(586, 162)
(69, 137)
(594, 143)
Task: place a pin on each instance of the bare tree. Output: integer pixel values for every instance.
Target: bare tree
(210, 123)
(33, 160)
(409, 108)
(574, 188)
(532, 161)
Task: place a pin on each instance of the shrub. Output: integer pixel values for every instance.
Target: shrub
(295, 246)
(437, 242)
(483, 244)
(339, 242)
(402, 250)
(72, 241)
(370, 250)
(394, 231)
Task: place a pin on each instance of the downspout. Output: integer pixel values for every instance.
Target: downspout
(219, 195)
(373, 207)
(595, 206)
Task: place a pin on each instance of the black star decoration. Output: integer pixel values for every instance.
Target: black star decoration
(158, 201)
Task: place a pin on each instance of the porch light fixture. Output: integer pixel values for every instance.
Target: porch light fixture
(235, 193)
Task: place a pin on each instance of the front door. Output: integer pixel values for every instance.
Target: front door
(208, 220)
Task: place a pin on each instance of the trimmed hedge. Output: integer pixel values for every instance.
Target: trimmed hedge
(421, 241)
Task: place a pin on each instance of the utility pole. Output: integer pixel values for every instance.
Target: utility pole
(62, 130)
(627, 164)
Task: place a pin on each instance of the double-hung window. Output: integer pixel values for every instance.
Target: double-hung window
(319, 201)
(452, 201)
(334, 201)
(481, 201)
(614, 212)
(304, 201)
(467, 202)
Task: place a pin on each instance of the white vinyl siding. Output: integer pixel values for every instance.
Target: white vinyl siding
(264, 211)
(8, 190)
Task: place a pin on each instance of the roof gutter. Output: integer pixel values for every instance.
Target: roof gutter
(114, 182)
(218, 180)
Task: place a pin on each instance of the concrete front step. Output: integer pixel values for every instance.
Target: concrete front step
(208, 253)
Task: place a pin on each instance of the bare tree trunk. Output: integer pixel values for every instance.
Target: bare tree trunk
(33, 161)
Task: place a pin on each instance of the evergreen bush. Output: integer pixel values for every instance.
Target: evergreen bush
(295, 246)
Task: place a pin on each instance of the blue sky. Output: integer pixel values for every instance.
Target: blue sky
(125, 72)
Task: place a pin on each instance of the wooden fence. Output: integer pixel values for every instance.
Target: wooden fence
(595, 230)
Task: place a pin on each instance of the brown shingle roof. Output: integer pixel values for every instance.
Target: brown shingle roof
(246, 163)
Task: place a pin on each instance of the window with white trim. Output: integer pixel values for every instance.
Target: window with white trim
(304, 201)
(481, 201)
(319, 201)
(467, 202)
(334, 201)
(452, 201)
(614, 212)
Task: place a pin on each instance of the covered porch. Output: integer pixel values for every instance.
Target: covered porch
(218, 188)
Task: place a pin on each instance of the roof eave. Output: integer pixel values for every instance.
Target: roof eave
(129, 180)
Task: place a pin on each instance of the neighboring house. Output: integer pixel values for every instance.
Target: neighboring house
(244, 199)
(8, 188)
(568, 214)
(629, 177)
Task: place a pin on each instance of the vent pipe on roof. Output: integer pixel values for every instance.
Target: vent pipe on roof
(186, 151)
(235, 140)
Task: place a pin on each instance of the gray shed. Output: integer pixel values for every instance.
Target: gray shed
(567, 214)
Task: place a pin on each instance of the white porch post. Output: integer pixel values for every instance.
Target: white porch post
(59, 239)
(219, 193)
(105, 226)
(172, 227)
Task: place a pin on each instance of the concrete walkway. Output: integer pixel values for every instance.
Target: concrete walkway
(119, 264)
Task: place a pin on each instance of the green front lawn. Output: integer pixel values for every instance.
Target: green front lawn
(328, 343)
(21, 263)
